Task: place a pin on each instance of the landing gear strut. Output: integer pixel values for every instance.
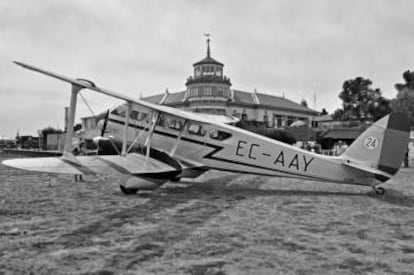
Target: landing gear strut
(379, 190)
(128, 191)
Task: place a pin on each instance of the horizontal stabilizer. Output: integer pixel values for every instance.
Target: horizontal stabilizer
(381, 175)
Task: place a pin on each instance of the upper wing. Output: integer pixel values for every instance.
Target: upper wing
(91, 86)
(134, 164)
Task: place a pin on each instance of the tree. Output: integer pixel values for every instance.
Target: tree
(404, 102)
(324, 112)
(303, 103)
(361, 102)
(49, 130)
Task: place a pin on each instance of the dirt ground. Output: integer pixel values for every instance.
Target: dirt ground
(222, 223)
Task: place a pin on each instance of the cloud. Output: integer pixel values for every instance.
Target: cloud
(293, 47)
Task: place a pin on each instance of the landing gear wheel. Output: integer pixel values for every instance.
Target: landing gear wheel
(128, 191)
(379, 190)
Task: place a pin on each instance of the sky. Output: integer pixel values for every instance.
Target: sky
(293, 47)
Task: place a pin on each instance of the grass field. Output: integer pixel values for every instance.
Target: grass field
(222, 223)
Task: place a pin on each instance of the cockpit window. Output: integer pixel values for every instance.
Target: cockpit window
(120, 111)
(161, 120)
(219, 135)
(196, 129)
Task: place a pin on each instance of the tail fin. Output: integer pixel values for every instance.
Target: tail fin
(382, 146)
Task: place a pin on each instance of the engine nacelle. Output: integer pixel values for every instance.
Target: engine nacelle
(107, 145)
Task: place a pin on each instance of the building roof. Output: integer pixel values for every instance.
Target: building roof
(242, 98)
(282, 102)
(171, 99)
(154, 98)
(343, 133)
(208, 60)
(175, 98)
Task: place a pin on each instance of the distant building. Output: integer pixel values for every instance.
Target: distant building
(28, 142)
(55, 141)
(326, 122)
(208, 90)
(7, 143)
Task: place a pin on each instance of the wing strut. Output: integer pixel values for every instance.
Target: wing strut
(178, 139)
(152, 128)
(71, 120)
(136, 140)
(126, 125)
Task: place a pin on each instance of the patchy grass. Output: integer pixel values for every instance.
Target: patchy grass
(222, 223)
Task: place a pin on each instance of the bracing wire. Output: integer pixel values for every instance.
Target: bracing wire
(87, 104)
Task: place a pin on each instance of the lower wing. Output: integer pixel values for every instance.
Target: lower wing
(133, 164)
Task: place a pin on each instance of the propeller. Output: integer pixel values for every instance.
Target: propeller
(105, 123)
(105, 140)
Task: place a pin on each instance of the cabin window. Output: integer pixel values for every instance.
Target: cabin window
(196, 129)
(219, 135)
(134, 115)
(175, 124)
(142, 116)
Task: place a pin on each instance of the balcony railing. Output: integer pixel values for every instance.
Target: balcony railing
(208, 79)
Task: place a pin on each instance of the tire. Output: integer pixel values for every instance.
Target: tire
(128, 191)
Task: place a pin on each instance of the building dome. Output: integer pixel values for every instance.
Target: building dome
(208, 60)
(208, 85)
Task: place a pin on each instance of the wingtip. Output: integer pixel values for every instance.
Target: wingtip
(19, 63)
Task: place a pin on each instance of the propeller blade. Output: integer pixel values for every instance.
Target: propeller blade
(105, 123)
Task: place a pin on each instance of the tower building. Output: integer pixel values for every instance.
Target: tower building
(210, 91)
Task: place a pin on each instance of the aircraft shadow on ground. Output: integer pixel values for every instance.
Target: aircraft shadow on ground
(394, 197)
(219, 186)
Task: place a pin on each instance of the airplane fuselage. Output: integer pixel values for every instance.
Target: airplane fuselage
(225, 147)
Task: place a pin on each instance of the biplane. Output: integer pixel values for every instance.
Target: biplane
(160, 143)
